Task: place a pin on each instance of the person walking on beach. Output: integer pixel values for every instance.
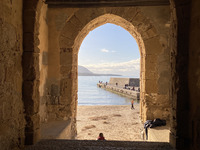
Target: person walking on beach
(132, 104)
(101, 137)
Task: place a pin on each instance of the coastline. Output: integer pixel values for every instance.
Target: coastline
(116, 122)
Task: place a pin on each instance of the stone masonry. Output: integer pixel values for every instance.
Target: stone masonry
(39, 47)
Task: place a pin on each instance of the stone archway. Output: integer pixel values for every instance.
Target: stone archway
(182, 136)
(66, 30)
(154, 58)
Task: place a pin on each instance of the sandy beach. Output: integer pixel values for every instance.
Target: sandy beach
(116, 122)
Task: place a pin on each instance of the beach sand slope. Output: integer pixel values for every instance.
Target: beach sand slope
(116, 122)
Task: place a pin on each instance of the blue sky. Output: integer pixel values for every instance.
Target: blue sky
(110, 49)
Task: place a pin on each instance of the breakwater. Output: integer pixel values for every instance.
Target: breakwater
(135, 94)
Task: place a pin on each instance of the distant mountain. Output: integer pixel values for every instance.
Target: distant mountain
(82, 71)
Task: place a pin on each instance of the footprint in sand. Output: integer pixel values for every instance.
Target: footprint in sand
(98, 118)
(105, 122)
(134, 123)
(117, 115)
(88, 127)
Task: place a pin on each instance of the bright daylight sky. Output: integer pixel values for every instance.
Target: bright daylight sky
(110, 49)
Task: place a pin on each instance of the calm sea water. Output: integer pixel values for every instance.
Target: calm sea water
(90, 94)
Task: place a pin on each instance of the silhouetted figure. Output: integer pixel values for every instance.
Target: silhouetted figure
(132, 104)
(101, 137)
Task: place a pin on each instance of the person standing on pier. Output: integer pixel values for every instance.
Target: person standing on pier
(132, 104)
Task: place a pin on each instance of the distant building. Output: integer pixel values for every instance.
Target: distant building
(125, 81)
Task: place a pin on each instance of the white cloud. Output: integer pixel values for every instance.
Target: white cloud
(104, 50)
(128, 68)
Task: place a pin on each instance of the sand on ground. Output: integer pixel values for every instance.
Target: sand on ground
(116, 122)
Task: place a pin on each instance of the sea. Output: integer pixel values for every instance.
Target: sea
(90, 94)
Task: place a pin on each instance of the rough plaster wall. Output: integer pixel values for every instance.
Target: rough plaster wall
(12, 121)
(194, 75)
(43, 62)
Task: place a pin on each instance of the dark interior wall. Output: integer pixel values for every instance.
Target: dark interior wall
(180, 80)
(194, 76)
(11, 106)
(183, 18)
(185, 47)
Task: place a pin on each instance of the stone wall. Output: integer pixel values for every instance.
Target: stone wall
(69, 26)
(179, 70)
(12, 121)
(59, 85)
(56, 85)
(122, 81)
(194, 76)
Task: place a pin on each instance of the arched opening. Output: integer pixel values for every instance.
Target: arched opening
(182, 38)
(154, 58)
(108, 51)
(64, 52)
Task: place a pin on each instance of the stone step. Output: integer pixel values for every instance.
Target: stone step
(98, 145)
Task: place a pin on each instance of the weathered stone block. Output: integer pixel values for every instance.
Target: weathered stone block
(53, 100)
(153, 46)
(151, 75)
(86, 15)
(65, 88)
(54, 90)
(65, 71)
(151, 32)
(151, 86)
(65, 41)
(137, 19)
(76, 22)
(66, 58)
(65, 100)
(150, 66)
(119, 11)
(164, 83)
(158, 113)
(130, 13)
(151, 58)
(60, 19)
(70, 31)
